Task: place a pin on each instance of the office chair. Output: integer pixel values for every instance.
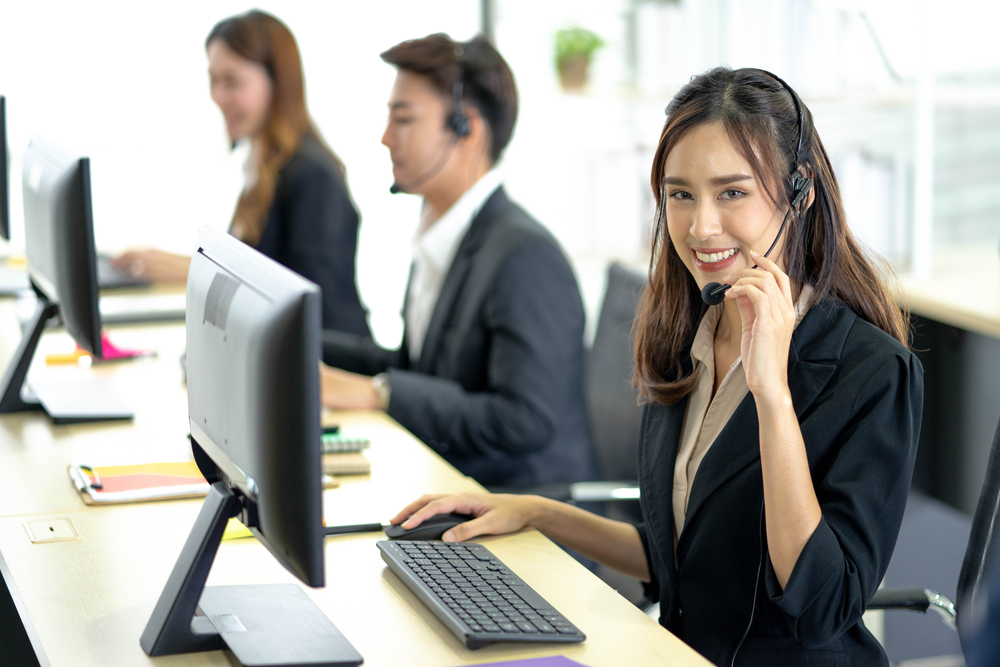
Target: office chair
(615, 415)
(982, 555)
(612, 403)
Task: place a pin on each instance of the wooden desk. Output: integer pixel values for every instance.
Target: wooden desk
(88, 600)
(963, 290)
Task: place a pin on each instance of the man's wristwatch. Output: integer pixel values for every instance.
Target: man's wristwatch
(383, 389)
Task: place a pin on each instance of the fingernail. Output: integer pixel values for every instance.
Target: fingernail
(407, 523)
(448, 537)
(754, 253)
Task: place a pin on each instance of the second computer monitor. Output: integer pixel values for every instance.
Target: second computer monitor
(59, 244)
(59, 238)
(253, 351)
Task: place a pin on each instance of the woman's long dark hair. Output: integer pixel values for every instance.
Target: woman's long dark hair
(761, 119)
(263, 39)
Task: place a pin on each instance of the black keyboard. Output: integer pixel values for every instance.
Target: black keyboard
(475, 595)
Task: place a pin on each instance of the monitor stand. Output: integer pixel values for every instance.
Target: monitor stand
(261, 625)
(66, 401)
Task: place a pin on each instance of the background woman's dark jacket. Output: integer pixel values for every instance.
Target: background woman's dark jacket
(312, 228)
(858, 395)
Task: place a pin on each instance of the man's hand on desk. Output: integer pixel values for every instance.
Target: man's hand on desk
(496, 514)
(156, 265)
(341, 390)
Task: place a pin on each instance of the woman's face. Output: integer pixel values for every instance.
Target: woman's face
(717, 210)
(241, 88)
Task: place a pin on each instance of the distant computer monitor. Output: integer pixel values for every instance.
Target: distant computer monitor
(59, 245)
(4, 173)
(253, 353)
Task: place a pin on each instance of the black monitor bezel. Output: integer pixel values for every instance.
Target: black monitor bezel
(4, 172)
(74, 288)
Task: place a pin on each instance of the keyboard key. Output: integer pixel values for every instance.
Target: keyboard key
(508, 627)
(544, 627)
(527, 628)
(531, 597)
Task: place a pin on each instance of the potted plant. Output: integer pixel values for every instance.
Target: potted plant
(574, 46)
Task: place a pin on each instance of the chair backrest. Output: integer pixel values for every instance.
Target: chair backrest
(612, 402)
(982, 556)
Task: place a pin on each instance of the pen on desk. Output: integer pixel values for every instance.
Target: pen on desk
(81, 480)
(131, 356)
(356, 528)
(78, 476)
(65, 358)
(96, 482)
(76, 357)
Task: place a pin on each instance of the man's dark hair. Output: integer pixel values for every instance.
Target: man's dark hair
(487, 82)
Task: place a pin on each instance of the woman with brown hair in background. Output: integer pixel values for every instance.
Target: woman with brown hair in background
(295, 206)
(781, 422)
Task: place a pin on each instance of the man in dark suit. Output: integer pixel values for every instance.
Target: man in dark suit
(490, 373)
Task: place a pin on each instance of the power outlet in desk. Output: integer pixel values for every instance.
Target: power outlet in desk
(51, 530)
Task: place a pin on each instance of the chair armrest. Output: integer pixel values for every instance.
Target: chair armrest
(581, 492)
(915, 599)
(603, 491)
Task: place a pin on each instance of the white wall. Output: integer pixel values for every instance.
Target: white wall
(126, 83)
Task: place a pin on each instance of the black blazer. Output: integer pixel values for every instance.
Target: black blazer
(858, 395)
(312, 228)
(498, 388)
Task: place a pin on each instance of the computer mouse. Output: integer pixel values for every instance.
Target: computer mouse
(432, 528)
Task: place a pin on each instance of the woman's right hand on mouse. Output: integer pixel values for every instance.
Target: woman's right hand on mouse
(495, 513)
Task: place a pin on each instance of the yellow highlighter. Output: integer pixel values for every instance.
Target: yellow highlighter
(73, 357)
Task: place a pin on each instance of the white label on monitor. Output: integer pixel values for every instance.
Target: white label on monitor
(35, 177)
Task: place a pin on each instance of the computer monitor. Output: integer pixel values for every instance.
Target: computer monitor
(4, 173)
(253, 353)
(59, 245)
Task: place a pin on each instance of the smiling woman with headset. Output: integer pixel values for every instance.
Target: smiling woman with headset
(295, 206)
(781, 420)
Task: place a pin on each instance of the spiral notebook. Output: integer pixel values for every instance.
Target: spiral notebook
(346, 463)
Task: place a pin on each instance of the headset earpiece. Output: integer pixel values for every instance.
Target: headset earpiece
(800, 188)
(459, 124)
(458, 121)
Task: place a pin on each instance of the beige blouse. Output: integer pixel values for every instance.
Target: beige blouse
(705, 415)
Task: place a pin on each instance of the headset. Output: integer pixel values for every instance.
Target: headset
(457, 122)
(713, 293)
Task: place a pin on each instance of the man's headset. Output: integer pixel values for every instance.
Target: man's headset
(457, 121)
(713, 293)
